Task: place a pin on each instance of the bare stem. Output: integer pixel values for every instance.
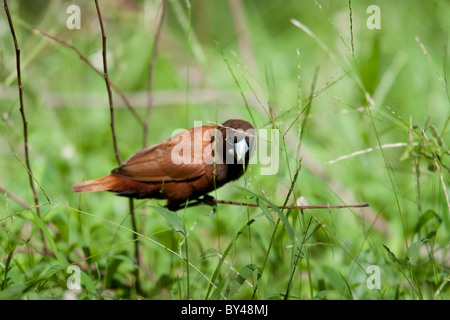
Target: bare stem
(111, 108)
(108, 85)
(151, 71)
(24, 118)
(364, 205)
(14, 197)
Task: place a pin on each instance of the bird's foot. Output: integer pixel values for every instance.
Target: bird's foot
(211, 201)
(205, 200)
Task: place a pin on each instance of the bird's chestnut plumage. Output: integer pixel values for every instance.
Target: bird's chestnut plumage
(185, 167)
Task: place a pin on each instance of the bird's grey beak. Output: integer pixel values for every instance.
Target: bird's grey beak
(240, 149)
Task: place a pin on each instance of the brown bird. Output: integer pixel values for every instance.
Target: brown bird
(184, 168)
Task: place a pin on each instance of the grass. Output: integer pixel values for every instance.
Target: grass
(363, 117)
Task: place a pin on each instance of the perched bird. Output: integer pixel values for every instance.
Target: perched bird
(183, 168)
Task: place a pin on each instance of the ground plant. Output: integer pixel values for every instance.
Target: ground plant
(351, 105)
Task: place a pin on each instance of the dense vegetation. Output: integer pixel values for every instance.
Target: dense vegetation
(363, 116)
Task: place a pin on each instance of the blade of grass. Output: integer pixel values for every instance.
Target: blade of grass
(6, 266)
(42, 226)
(172, 218)
(227, 250)
(240, 279)
(179, 227)
(159, 244)
(237, 83)
(278, 211)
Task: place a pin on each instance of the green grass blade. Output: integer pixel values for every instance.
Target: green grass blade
(241, 278)
(275, 208)
(227, 250)
(172, 218)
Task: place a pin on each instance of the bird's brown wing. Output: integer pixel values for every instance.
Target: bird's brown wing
(164, 161)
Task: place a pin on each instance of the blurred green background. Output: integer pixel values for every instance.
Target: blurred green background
(363, 114)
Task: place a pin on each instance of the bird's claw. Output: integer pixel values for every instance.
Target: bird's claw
(206, 199)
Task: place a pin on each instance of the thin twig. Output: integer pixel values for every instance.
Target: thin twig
(116, 149)
(14, 197)
(24, 119)
(146, 124)
(82, 57)
(108, 86)
(151, 72)
(364, 205)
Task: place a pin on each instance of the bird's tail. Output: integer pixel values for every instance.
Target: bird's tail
(102, 184)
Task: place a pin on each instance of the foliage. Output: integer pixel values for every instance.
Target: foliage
(363, 116)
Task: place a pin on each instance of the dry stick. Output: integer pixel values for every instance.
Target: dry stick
(146, 124)
(108, 86)
(111, 108)
(82, 57)
(150, 72)
(24, 119)
(364, 205)
(14, 197)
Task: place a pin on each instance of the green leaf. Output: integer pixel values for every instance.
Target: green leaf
(113, 266)
(88, 284)
(10, 247)
(391, 255)
(407, 152)
(48, 237)
(216, 293)
(266, 211)
(13, 292)
(241, 278)
(399, 262)
(321, 295)
(225, 253)
(172, 218)
(280, 214)
(336, 280)
(413, 249)
(425, 218)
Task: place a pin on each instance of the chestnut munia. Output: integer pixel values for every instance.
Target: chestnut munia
(183, 168)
